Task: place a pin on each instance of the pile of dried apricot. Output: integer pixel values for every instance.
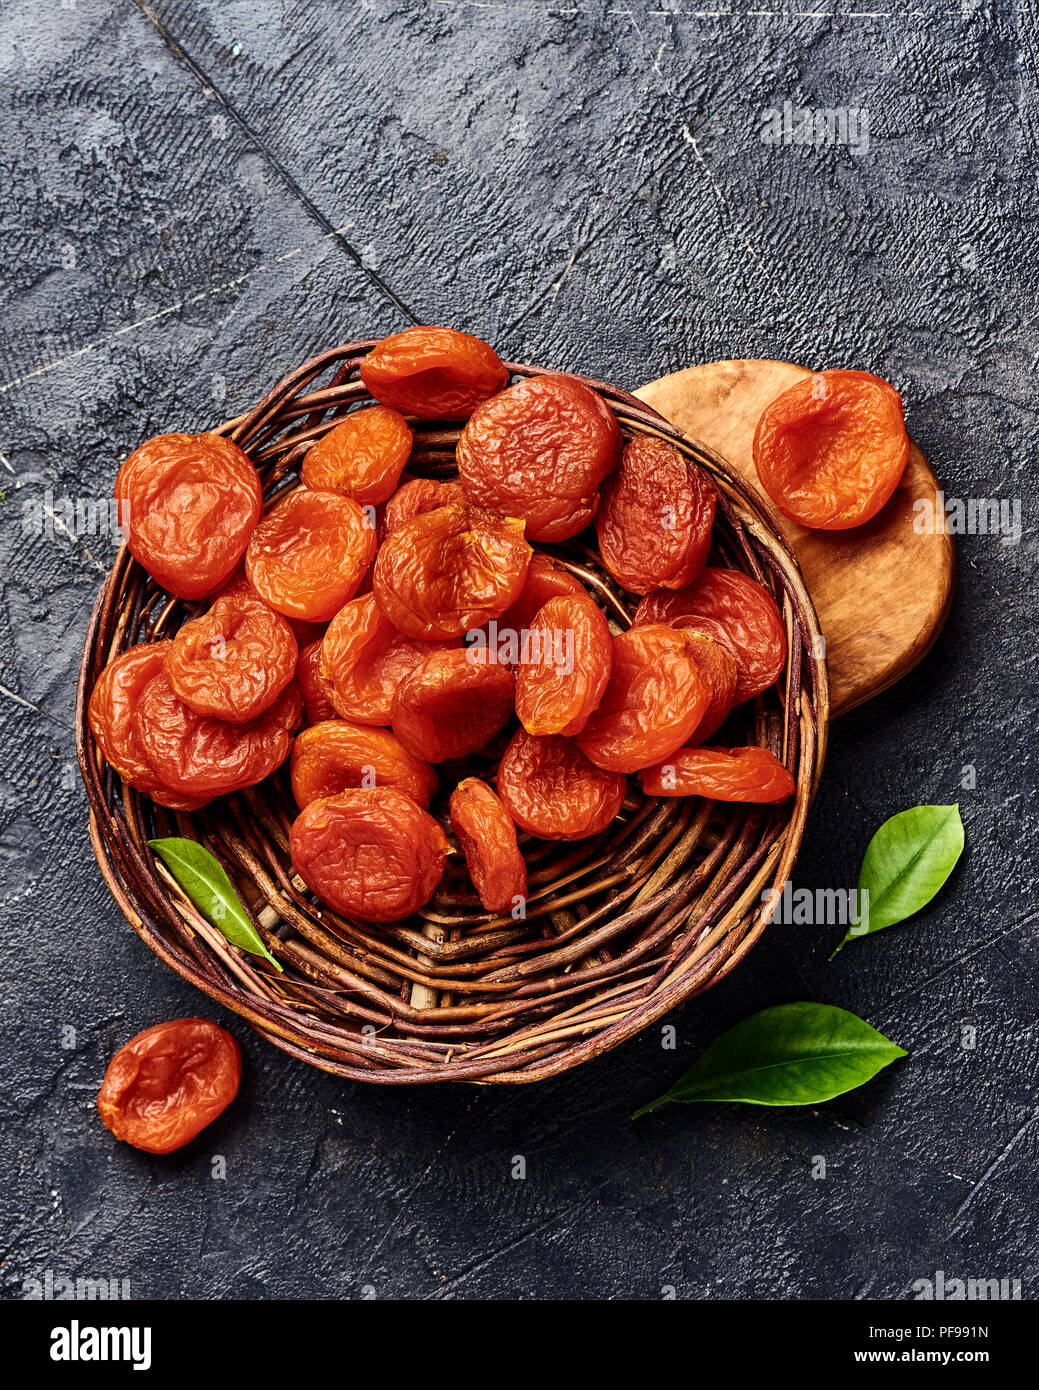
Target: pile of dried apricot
(411, 624)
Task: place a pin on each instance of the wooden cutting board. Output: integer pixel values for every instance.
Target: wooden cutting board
(883, 590)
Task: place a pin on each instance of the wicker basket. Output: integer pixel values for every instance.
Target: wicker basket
(619, 929)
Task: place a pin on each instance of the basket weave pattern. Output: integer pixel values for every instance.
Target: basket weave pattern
(619, 929)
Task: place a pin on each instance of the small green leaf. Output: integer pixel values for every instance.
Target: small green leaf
(906, 862)
(793, 1054)
(207, 885)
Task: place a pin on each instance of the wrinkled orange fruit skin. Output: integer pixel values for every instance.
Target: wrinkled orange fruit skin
(551, 790)
(452, 704)
(655, 698)
(112, 712)
(551, 699)
(365, 658)
(434, 373)
(418, 496)
(831, 450)
(486, 836)
(335, 756)
(370, 854)
(166, 1084)
(238, 586)
(198, 755)
(189, 503)
(308, 556)
(354, 592)
(448, 571)
(733, 609)
(722, 774)
(655, 521)
(546, 578)
(362, 457)
(234, 661)
(539, 451)
(718, 668)
(314, 689)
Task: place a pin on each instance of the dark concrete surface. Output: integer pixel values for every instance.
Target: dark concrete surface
(196, 196)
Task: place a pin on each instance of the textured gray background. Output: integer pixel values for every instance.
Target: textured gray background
(198, 196)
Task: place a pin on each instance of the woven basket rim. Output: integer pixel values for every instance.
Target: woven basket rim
(556, 1039)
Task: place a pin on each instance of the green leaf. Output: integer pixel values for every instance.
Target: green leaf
(906, 862)
(207, 885)
(793, 1054)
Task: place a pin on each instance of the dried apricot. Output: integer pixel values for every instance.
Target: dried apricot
(315, 690)
(452, 704)
(734, 607)
(308, 556)
(487, 837)
(546, 578)
(111, 715)
(197, 755)
(372, 854)
(417, 496)
(551, 790)
(234, 661)
(539, 451)
(565, 666)
(166, 1084)
(336, 755)
(189, 503)
(365, 658)
(831, 450)
(654, 524)
(722, 774)
(238, 586)
(450, 570)
(435, 373)
(718, 668)
(362, 457)
(656, 697)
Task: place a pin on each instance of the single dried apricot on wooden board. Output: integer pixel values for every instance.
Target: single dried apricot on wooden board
(899, 569)
(831, 450)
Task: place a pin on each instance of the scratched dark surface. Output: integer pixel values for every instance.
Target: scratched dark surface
(199, 196)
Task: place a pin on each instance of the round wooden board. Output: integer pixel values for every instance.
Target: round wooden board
(882, 591)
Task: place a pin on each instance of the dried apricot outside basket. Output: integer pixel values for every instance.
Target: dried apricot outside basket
(620, 929)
